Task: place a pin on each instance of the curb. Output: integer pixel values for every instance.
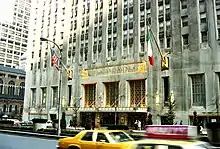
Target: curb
(36, 135)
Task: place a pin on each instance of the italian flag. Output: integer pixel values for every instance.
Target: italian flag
(149, 49)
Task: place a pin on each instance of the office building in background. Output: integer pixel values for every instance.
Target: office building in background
(14, 25)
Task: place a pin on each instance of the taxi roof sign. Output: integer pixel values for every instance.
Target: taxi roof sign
(185, 132)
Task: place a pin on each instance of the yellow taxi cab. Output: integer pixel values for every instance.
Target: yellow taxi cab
(157, 137)
(95, 139)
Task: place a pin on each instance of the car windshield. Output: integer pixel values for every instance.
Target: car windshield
(120, 137)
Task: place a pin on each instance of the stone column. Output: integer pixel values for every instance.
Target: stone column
(136, 35)
(97, 121)
(104, 32)
(154, 72)
(194, 25)
(91, 33)
(120, 35)
(177, 74)
(122, 93)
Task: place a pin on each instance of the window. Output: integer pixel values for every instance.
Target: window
(55, 96)
(90, 94)
(184, 21)
(166, 87)
(61, 35)
(87, 136)
(112, 91)
(33, 97)
(137, 93)
(1, 86)
(16, 108)
(22, 89)
(10, 108)
(43, 96)
(185, 39)
(168, 42)
(204, 36)
(120, 137)
(184, 4)
(32, 55)
(101, 138)
(32, 66)
(11, 88)
(70, 94)
(4, 108)
(198, 89)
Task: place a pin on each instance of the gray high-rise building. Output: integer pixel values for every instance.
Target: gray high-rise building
(14, 32)
(104, 43)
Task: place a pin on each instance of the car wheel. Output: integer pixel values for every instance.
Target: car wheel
(73, 147)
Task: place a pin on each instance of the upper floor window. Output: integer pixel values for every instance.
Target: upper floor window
(11, 87)
(21, 89)
(198, 89)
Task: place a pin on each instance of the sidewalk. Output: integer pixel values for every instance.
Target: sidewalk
(38, 135)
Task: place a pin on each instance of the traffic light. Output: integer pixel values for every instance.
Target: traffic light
(70, 74)
(164, 63)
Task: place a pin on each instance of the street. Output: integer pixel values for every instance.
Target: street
(21, 142)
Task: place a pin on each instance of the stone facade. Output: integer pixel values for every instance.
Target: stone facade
(12, 89)
(110, 47)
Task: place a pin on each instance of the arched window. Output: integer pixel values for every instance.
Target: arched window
(11, 88)
(21, 89)
(16, 108)
(21, 109)
(4, 108)
(10, 108)
(1, 86)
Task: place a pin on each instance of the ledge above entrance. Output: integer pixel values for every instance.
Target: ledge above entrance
(128, 68)
(118, 109)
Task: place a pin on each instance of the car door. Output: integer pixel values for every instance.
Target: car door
(87, 141)
(102, 142)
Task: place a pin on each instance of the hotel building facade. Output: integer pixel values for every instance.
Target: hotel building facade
(104, 43)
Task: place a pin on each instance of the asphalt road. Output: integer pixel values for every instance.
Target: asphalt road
(20, 142)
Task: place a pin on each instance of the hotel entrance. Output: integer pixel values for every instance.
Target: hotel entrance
(133, 116)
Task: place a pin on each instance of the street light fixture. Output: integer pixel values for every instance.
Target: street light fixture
(60, 81)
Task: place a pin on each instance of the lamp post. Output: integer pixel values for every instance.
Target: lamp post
(115, 106)
(60, 81)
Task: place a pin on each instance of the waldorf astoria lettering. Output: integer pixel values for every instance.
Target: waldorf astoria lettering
(114, 70)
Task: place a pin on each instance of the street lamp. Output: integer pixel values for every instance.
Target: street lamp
(60, 81)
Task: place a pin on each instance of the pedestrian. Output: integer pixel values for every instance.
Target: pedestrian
(71, 123)
(136, 125)
(139, 125)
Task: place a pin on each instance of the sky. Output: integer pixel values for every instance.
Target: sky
(6, 10)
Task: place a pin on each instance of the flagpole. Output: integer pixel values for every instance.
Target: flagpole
(150, 30)
(60, 83)
(59, 57)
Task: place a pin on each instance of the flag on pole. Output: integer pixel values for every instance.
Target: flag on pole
(54, 59)
(149, 49)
